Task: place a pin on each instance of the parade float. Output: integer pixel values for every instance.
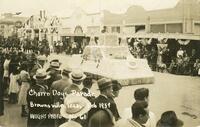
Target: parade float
(111, 58)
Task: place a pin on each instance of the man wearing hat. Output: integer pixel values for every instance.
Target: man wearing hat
(42, 59)
(35, 64)
(54, 71)
(87, 85)
(38, 63)
(116, 87)
(54, 64)
(61, 84)
(169, 119)
(74, 108)
(39, 94)
(58, 87)
(77, 76)
(103, 101)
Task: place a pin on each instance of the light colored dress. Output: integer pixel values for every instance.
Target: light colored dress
(14, 86)
(6, 68)
(24, 77)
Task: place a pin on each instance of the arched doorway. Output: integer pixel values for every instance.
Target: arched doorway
(78, 30)
(79, 38)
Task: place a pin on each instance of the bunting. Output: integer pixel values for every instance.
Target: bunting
(182, 42)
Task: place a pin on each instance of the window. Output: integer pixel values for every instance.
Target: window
(157, 28)
(2, 26)
(129, 29)
(197, 28)
(174, 28)
(139, 28)
(115, 29)
(118, 29)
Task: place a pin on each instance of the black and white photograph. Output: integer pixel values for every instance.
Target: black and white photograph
(99, 63)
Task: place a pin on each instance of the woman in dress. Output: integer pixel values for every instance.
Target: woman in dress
(14, 86)
(25, 85)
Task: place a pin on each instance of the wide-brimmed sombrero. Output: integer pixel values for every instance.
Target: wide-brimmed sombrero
(74, 106)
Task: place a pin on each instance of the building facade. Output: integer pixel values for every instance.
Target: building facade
(183, 21)
(41, 27)
(10, 23)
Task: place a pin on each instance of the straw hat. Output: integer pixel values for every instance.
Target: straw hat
(41, 75)
(70, 124)
(77, 75)
(55, 64)
(67, 70)
(74, 106)
(42, 58)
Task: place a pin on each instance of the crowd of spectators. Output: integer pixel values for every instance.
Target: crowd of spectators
(40, 91)
(67, 47)
(26, 45)
(161, 59)
(63, 98)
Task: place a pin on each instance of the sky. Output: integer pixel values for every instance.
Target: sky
(66, 7)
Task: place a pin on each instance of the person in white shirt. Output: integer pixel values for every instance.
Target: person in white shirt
(142, 94)
(180, 53)
(139, 116)
(6, 74)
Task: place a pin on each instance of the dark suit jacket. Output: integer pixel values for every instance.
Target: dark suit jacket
(39, 110)
(55, 76)
(61, 84)
(103, 102)
(87, 91)
(72, 88)
(116, 115)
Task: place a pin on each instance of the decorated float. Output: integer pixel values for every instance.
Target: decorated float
(109, 57)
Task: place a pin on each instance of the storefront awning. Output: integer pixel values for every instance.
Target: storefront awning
(164, 35)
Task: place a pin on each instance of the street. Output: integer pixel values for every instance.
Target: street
(169, 92)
